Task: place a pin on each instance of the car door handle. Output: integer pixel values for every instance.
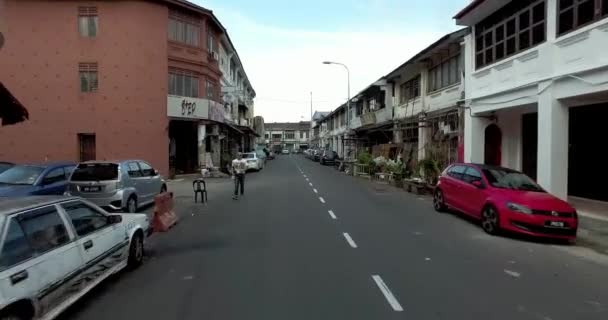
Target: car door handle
(88, 245)
(19, 276)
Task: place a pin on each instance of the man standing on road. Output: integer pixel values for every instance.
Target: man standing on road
(239, 166)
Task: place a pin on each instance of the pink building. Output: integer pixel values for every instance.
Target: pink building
(109, 79)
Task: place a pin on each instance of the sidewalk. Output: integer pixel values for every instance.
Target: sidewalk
(593, 223)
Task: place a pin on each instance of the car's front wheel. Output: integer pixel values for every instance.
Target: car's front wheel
(438, 201)
(136, 251)
(489, 220)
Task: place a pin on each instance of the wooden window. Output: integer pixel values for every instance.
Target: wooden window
(184, 28)
(86, 146)
(516, 27)
(183, 83)
(210, 87)
(446, 73)
(88, 77)
(573, 14)
(409, 90)
(87, 21)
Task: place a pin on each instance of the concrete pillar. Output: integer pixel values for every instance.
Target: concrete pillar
(474, 137)
(423, 139)
(201, 145)
(397, 134)
(552, 145)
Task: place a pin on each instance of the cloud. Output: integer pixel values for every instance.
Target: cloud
(285, 64)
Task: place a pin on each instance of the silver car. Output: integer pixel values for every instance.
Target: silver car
(116, 185)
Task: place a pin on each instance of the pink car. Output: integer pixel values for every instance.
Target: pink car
(504, 199)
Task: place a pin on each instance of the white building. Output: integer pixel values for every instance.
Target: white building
(292, 136)
(537, 90)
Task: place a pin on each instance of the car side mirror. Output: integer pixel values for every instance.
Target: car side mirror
(155, 172)
(479, 184)
(114, 219)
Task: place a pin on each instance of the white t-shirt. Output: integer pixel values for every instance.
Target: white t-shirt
(239, 166)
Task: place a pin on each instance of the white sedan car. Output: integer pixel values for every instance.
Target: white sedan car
(56, 249)
(253, 161)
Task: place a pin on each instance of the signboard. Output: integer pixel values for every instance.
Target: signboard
(185, 107)
(368, 118)
(216, 111)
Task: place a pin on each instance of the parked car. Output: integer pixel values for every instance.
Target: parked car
(35, 179)
(328, 157)
(261, 155)
(56, 249)
(253, 161)
(504, 199)
(5, 166)
(317, 155)
(285, 151)
(117, 185)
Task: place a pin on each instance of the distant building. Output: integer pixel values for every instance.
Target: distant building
(288, 135)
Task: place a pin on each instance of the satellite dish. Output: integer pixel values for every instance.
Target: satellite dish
(1, 40)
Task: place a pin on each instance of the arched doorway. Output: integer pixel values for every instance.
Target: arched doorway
(493, 144)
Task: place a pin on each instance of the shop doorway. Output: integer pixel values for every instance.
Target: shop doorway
(529, 144)
(585, 162)
(183, 146)
(493, 145)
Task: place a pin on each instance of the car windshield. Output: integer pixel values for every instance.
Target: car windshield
(95, 172)
(249, 156)
(25, 175)
(4, 166)
(509, 179)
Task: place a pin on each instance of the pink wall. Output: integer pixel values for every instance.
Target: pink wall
(39, 65)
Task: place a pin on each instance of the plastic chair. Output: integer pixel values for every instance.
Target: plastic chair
(199, 186)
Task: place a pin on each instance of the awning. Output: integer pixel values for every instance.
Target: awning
(386, 126)
(11, 110)
(248, 130)
(233, 127)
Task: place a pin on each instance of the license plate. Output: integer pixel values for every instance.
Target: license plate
(556, 224)
(91, 189)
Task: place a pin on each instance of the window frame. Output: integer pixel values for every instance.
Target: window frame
(5, 229)
(177, 83)
(440, 69)
(600, 11)
(461, 174)
(503, 19)
(409, 90)
(42, 180)
(184, 29)
(90, 15)
(138, 168)
(57, 210)
(89, 73)
(465, 175)
(62, 207)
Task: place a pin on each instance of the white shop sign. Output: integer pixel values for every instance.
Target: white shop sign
(185, 107)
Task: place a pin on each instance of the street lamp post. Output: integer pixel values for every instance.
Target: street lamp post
(347, 101)
(348, 96)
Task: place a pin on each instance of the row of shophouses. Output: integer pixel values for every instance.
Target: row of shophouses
(154, 80)
(524, 85)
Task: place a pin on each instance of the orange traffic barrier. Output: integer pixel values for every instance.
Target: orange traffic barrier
(164, 216)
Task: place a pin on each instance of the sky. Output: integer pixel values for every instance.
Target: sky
(282, 45)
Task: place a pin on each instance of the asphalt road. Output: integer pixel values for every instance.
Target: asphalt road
(278, 253)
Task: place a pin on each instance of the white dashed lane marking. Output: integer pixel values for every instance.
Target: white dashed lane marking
(387, 293)
(332, 215)
(350, 240)
(512, 273)
(321, 199)
(315, 190)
